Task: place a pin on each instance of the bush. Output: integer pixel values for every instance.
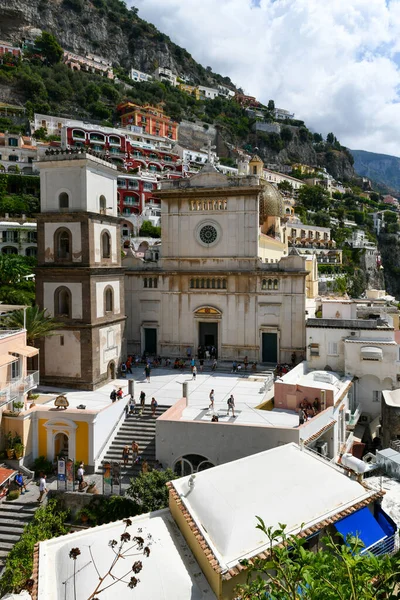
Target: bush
(104, 510)
(41, 464)
(12, 496)
(48, 522)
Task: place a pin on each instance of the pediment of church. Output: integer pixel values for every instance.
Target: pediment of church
(209, 177)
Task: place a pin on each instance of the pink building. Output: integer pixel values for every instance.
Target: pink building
(7, 48)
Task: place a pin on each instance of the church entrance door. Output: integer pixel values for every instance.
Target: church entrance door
(208, 334)
(150, 340)
(269, 347)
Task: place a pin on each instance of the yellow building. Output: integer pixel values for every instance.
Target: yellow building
(190, 89)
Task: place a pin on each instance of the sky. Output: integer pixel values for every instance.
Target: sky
(334, 63)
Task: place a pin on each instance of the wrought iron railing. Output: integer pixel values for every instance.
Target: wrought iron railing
(15, 389)
(389, 545)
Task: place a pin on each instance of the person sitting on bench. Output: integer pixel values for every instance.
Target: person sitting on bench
(19, 482)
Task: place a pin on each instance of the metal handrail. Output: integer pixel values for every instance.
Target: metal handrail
(389, 545)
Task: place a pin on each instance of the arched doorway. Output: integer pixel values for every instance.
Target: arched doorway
(61, 445)
(191, 463)
(111, 370)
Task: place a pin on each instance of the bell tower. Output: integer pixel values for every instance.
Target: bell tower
(79, 278)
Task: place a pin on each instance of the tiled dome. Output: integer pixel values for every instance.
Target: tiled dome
(271, 202)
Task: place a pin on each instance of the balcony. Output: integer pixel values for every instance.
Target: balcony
(389, 545)
(17, 388)
(131, 202)
(353, 420)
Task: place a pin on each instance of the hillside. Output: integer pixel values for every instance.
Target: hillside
(103, 27)
(383, 169)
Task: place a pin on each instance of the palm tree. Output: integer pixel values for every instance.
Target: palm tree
(37, 323)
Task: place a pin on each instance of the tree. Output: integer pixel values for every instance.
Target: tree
(317, 138)
(285, 186)
(330, 138)
(271, 105)
(149, 230)
(286, 134)
(304, 135)
(38, 323)
(336, 572)
(322, 219)
(49, 47)
(390, 216)
(13, 268)
(149, 490)
(313, 197)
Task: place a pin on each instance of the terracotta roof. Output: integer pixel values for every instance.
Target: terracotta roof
(5, 474)
(342, 395)
(236, 569)
(35, 573)
(316, 435)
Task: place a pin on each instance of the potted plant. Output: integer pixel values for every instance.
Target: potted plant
(92, 488)
(19, 450)
(18, 406)
(85, 515)
(10, 445)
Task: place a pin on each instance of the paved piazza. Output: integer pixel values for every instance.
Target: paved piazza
(166, 386)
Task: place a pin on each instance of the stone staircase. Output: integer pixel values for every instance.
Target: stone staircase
(13, 518)
(142, 430)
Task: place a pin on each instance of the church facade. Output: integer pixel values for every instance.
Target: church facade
(79, 279)
(225, 277)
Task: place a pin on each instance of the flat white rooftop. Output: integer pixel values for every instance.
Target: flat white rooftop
(283, 485)
(170, 572)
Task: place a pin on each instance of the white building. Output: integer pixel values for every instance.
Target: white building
(282, 114)
(225, 278)
(165, 74)
(357, 340)
(275, 177)
(18, 153)
(139, 76)
(225, 92)
(207, 92)
(18, 237)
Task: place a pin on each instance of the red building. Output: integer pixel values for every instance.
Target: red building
(141, 164)
(6, 48)
(150, 118)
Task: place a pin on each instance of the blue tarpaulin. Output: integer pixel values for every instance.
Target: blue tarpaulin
(363, 525)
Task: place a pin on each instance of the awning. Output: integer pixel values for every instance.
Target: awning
(6, 359)
(363, 525)
(372, 353)
(27, 351)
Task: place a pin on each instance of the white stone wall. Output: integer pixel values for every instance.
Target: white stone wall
(100, 287)
(110, 346)
(63, 360)
(76, 298)
(238, 229)
(84, 181)
(98, 229)
(49, 231)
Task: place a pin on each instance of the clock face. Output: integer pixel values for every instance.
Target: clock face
(208, 234)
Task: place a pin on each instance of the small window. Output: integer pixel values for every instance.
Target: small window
(270, 284)
(63, 200)
(109, 300)
(145, 282)
(15, 367)
(155, 282)
(276, 284)
(62, 303)
(332, 348)
(314, 350)
(61, 340)
(63, 245)
(103, 203)
(106, 244)
(264, 284)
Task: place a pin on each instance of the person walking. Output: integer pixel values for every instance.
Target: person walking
(42, 486)
(123, 370)
(194, 372)
(214, 365)
(147, 371)
(231, 405)
(132, 405)
(135, 452)
(201, 364)
(142, 401)
(126, 410)
(79, 476)
(113, 395)
(125, 455)
(120, 393)
(211, 396)
(154, 405)
(129, 365)
(302, 417)
(245, 362)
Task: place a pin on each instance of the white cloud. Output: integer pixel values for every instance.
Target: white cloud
(333, 62)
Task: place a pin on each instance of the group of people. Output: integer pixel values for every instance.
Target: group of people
(131, 406)
(230, 403)
(307, 410)
(204, 352)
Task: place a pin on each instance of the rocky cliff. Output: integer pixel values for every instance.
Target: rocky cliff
(103, 27)
(383, 169)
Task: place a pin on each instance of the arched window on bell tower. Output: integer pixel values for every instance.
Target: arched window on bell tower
(105, 245)
(62, 302)
(62, 244)
(109, 299)
(103, 204)
(63, 201)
